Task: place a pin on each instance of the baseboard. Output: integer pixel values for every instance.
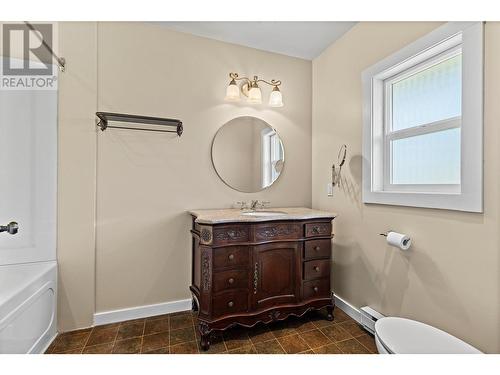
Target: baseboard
(349, 309)
(114, 316)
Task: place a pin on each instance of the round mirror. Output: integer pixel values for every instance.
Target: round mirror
(248, 154)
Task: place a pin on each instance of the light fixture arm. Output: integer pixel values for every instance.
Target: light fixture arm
(273, 82)
(236, 77)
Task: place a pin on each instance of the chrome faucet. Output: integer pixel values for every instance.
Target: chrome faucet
(253, 204)
(257, 204)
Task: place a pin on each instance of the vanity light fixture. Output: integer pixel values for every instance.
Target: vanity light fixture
(250, 88)
(276, 99)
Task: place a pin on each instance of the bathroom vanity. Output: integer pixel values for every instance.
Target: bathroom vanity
(259, 266)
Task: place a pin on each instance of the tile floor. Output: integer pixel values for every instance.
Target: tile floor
(176, 334)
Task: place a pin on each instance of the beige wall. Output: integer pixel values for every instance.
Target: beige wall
(450, 278)
(76, 175)
(147, 181)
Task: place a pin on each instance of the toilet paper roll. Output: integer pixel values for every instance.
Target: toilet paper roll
(399, 240)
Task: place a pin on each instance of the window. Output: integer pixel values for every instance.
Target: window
(422, 134)
(422, 128)
(272, 156)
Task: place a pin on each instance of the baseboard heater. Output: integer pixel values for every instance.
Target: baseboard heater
(368, 318)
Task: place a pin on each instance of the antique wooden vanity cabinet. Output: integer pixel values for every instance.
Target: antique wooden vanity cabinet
(259, 271)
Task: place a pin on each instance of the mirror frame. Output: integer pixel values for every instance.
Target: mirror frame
(217, 172)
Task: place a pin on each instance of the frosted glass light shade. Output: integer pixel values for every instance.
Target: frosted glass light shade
(255, 95)
(232, 93)
(276, 99)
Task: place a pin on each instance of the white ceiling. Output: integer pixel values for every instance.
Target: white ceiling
(305, 40)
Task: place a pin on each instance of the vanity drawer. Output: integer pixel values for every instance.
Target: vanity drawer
(232, 279)
(278, 231)
(228, 234)
(315, 269)
(316, 288)
(230, 302)
(318, 229)
(234, 256)
(317, 249)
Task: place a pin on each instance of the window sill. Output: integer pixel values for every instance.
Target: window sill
(440, 200)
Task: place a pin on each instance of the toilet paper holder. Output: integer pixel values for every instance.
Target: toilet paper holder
(399, 240)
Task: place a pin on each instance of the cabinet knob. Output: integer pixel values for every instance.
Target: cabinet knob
(231, 256)
(230, 304)
(316, 248)
(315, 230)
(315, 289)
(230, 280)
(316, 268)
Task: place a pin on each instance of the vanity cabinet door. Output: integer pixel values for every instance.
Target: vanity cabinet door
(275, 274)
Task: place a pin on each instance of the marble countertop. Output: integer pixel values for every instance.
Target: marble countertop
(231, 215)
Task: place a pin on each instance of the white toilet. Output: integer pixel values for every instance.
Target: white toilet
(405, 336)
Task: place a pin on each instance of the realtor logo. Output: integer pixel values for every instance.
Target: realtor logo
(27, 60)
(32, 44)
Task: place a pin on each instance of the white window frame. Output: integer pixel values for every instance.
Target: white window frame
(272, 153)
(442, 43)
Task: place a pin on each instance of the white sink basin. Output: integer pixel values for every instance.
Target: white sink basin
(263, 213)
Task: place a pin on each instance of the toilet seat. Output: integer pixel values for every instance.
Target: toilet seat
(406, 336)
(380, 347)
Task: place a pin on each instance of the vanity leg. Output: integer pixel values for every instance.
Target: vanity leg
(194, 305)
(329, 310)
(205, 332)
(205, 342)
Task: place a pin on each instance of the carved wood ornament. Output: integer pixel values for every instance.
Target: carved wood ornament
(284, 230)
(206, 270)
(206, 235)
(231, 234)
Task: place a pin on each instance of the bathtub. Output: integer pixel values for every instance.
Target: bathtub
(28, 296)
